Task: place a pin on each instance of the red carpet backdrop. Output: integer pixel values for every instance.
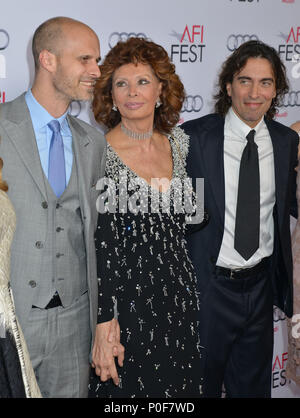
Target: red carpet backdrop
(198, 35)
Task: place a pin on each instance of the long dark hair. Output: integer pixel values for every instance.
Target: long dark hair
(234, 64)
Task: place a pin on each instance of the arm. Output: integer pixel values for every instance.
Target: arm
(107, 337)
(296, 127)
(191, 228)
(296, 155)
(105, 351)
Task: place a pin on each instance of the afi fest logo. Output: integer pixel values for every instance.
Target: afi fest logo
(4, 42)
(2, 96)
(279, 378)
(290, 50)
(191, 44)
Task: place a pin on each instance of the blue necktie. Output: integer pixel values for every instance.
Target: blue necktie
(57, 168)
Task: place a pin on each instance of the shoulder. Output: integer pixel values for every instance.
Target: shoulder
(274, 124)
(283, 134)
(283, 130)
(296, 127)
(81, 126)
(14, 109)
(180, 148)
(76, 122)
(204, 123)
(181, 139)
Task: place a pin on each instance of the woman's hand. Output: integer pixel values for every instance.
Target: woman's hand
(106, 347)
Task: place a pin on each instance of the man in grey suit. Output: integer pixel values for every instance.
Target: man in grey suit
(52, 162)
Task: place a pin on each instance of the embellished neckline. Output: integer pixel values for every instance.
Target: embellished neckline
(135, 175)
(179, 142)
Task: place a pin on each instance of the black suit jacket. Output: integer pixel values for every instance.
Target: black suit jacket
(206, 160)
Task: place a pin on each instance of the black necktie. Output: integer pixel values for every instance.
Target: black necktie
(246, 237)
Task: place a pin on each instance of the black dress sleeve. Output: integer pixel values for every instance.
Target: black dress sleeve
(191, 228)
(108, 265)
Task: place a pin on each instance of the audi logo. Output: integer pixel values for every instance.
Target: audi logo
(291, 99)
(234, 41)
(115, 37)
(75, 108)
(192, 104)
(4, 39)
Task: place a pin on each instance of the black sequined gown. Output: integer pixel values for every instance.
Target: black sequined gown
(144, 266)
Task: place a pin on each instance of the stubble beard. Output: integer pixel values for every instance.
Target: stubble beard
(69, 90)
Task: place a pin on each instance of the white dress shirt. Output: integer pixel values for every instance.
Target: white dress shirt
(235, 132)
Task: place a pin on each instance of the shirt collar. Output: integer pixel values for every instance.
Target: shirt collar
(39, 115)
(240, 128)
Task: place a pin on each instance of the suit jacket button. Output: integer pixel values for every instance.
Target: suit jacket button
(44, 205)
(32, 283)
(39, 245)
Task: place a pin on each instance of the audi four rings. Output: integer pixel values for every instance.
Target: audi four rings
(234, 41)
(115, 37)
(75, 108)
(292, 99)
(4, 39)
(192, 104)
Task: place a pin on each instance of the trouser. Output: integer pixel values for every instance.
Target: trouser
(236, 329)
(59, 341)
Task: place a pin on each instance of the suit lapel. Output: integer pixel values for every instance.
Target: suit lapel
(281, 151)
(213, 152)
(19, 129)
(82, 153)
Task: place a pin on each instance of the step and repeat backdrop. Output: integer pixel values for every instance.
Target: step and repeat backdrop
(198, 35)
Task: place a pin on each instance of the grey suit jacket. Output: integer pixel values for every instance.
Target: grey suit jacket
(23, 172)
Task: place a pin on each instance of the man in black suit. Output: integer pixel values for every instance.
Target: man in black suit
(243, 257)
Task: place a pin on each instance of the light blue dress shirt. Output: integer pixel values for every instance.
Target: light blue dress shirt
(43, 134)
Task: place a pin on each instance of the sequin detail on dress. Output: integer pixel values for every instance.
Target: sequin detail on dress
(143, 264)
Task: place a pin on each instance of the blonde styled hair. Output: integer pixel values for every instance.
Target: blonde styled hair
(3, 184)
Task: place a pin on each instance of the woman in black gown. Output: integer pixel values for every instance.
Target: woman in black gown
(144, 271)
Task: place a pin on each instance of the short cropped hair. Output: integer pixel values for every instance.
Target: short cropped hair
(47, 36)
(140, 51)
(236, 62)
